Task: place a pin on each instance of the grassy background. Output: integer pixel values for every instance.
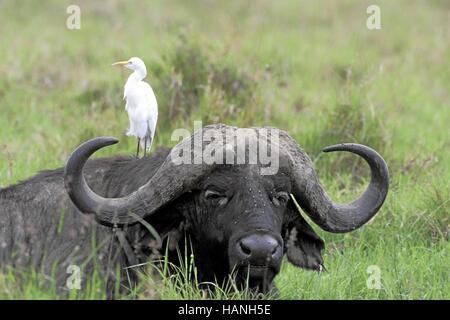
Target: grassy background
(309, 67)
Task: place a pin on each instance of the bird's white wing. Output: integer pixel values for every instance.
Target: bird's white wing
(152, 105)
(142, 109)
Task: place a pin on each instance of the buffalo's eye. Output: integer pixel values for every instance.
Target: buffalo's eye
(280, 198)
(216, 196)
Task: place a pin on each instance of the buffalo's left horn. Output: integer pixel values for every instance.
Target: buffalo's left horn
(329, 215)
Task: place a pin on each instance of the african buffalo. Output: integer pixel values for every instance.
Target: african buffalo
(233, 216)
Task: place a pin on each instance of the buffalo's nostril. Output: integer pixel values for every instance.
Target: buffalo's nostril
(244, 248)
(259, 248)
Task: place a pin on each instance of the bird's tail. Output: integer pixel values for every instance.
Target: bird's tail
(147, 141)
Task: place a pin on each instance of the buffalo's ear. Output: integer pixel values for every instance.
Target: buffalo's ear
(170, 223)
(174, 236)
(178, 222)
(303, 246)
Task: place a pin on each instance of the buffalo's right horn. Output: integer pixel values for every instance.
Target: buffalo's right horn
(168, 182)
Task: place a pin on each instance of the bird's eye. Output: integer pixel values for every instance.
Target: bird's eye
(213, 195)
(280, 198)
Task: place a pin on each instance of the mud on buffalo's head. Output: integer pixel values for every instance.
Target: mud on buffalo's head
(238, 218)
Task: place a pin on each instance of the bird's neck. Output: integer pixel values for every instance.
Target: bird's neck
(137, 75)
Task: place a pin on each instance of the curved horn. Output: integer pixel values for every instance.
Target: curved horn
(321, 209)
(169, 181)
(107, 211)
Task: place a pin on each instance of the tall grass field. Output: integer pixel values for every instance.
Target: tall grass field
(312, 68)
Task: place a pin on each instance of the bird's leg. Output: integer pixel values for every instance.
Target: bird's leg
(137, 148)
(145, 147)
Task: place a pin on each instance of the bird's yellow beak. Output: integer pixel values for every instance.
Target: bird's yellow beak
(120, 63)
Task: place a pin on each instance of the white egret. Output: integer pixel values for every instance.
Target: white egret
(141, 104)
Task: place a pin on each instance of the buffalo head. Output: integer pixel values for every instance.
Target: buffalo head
(237, 218)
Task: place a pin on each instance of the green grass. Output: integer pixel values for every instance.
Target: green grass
(309, 67)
